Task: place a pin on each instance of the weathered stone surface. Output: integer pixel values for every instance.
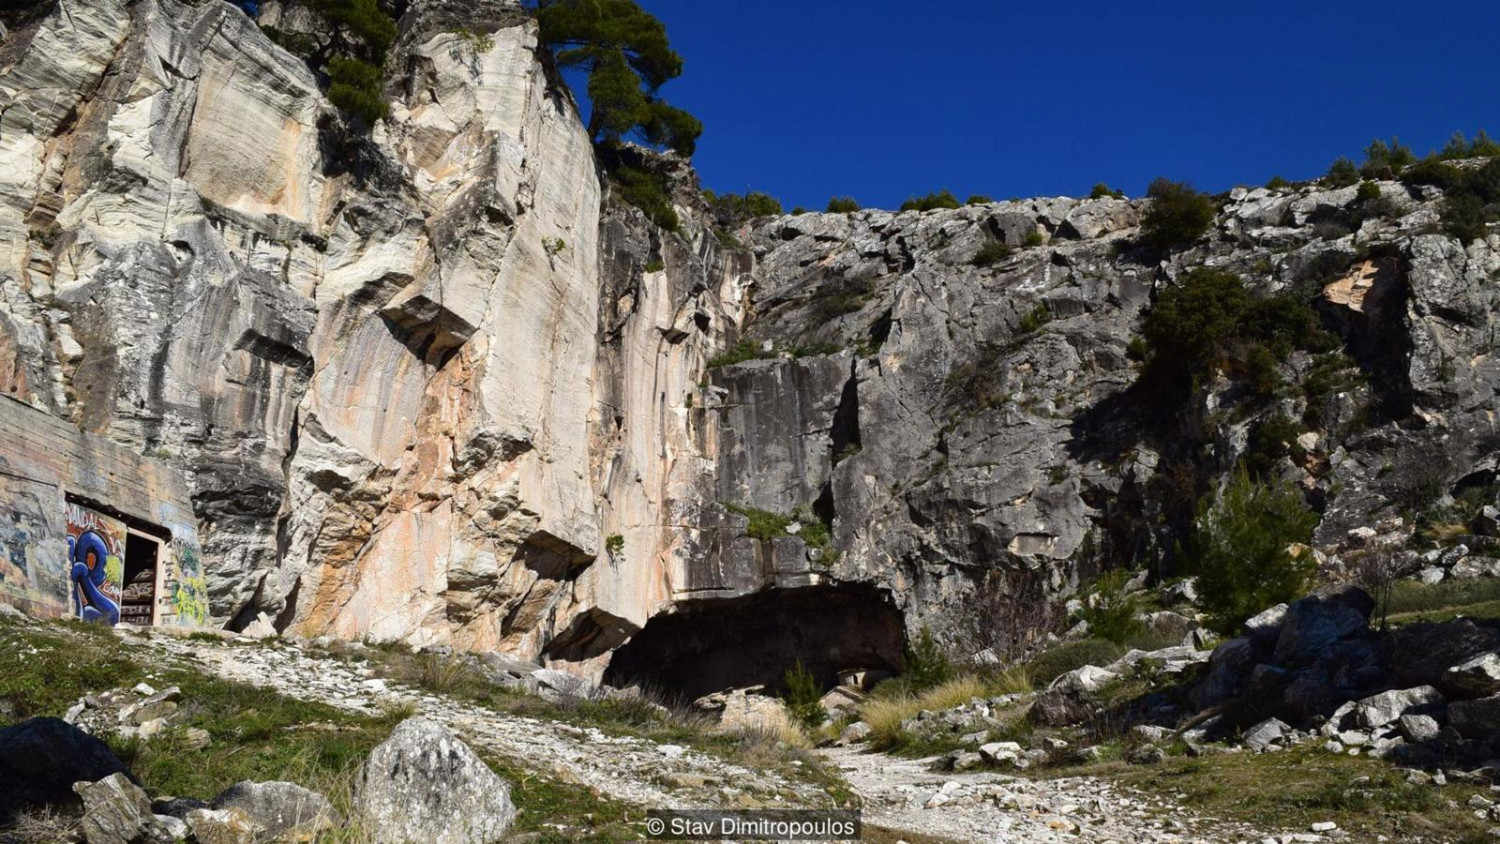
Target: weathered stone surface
(1422, 654)
(280, 809)
(1379, 710)
(1321, 619)
(434, 386)
(424, 784)
(1479, 677)
(117, 811)
(1476, 719)
(221, 826)
(1419, 728)
(1266, 626)
(1266, 733)
(41, 759)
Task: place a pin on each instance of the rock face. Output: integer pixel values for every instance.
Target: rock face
(423, 784)
(431, 383)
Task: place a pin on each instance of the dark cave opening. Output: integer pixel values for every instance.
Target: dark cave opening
(710, 646)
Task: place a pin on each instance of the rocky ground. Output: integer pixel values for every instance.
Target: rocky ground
(907, 794)
(901, 795)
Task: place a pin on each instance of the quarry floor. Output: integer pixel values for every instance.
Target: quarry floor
(900, 798)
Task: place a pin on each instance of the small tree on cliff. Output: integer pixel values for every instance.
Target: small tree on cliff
(1249, 550)
(625, 53)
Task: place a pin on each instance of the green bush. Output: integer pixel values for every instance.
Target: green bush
(1278, 183)
(1211, 321)
(745, 349)
(1386, 161)
(647, 191)
(354, 88)
(1034, 239)
(1241, 550)
(1177, 217)
(1033, 320)
(802, 696)
(925, 664)
(1111, 612)
(1271, 439)
(1465, 217)
(1436, 172)
(1055, 662)
(732, 210)
(1103, 191)
(979, 199)
(931, 202)
(990, 254)
(1368, 191)
(1342, 173)
(842, 205)
(798, 211)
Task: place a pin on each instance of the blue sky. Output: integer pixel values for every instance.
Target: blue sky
(878, 99)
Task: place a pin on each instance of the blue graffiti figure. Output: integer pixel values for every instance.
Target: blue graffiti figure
(89, 554)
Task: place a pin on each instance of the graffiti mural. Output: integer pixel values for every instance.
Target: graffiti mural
(96, 558)
(189, 589)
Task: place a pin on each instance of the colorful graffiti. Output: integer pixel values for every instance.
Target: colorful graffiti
(190, 591)
(96, 545)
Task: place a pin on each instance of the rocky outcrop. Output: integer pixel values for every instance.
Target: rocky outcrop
(434, 384)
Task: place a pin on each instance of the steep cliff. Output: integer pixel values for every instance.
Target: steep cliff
(434, 385)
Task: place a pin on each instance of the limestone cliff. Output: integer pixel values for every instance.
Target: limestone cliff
(434, 385)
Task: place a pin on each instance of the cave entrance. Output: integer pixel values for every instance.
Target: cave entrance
(713, 645)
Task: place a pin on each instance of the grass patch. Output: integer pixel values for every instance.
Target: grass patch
(884, 711)
(257, 734)
(1068, 656)
(560, 812)
(1301, 786)
(1416, 601)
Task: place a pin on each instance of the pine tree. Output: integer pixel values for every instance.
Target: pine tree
(1243, 550)
(625, 53)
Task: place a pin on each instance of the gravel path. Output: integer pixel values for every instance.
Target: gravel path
(904, 794)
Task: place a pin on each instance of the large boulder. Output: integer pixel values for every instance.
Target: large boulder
(1421, 654)
(1229, 667)
(1379, 710)
(1266, 626)
(1269, 732)
(424, 784)
(41, 758)
(117, 811)
(1479, 677)
(1321, 619)
(281, 809)
(1476, 719)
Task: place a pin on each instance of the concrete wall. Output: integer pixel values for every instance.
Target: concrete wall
(57, 482)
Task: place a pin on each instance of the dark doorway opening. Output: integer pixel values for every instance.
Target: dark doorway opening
(138, 592)
(710, 646)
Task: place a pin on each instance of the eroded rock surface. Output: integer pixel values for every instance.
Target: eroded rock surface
(434, 385)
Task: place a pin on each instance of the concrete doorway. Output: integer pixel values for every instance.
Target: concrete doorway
(143, 556)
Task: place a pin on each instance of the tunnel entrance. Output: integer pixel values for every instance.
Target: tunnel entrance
(710, 646)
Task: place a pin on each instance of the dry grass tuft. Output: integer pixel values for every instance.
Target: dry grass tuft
(885, 714)
(44, 824)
